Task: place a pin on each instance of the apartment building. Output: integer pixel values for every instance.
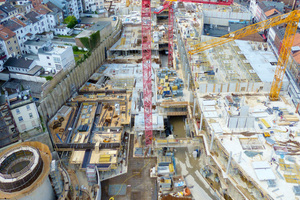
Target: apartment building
(70, 7)
(10, 41)
(53, 57)
(24, 111)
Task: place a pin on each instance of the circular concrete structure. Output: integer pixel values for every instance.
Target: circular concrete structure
(24, 170)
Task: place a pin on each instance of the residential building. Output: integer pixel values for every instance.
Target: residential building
(3, 16)
(89, 5)
(100, 5)
(9, 9)
(19, 28)
(8, 129)
(36, 3)
(55, 17)
(53, 57)
(33, 46)
(69, 7)
(24, 111)
(62, 30)
(39, 23)
(19, 65)
(10, 41)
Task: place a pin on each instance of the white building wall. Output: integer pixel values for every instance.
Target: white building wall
(21, 37)
(62, 31)
(57, 61)
(99, 4)
(26, 117)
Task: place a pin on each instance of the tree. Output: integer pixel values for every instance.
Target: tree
(71, 21)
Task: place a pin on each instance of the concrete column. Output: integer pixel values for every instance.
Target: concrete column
(229, 161)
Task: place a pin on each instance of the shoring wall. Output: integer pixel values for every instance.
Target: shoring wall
(57, 91)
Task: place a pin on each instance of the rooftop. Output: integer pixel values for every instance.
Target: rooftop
(7, 7)
(12, 25)
(32, 16)
(5, 33)
(18, 62)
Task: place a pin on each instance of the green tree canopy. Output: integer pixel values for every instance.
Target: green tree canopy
(71, 21)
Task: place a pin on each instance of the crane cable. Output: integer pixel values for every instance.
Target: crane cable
(113, 197)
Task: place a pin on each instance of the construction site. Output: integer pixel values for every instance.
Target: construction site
(191, 102)
(176, 114)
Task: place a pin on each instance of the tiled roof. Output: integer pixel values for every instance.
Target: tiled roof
(296, 55)
(7, 7)
(5, 33)
(32, 16)
(272, 12)
(18, 62)
(12, 25)
(19, 21)
(53, 7)
(42, 9)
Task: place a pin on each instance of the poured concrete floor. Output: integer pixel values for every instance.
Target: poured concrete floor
(189, 167)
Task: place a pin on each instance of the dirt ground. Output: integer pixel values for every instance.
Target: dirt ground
(140, 185)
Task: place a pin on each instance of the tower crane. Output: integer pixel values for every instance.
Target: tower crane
(146, 54)
(168, 4)
(291, 19)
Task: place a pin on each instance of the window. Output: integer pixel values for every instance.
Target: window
(20, 119)
(56, 59)
(17, 111)
(17, 48)
(21, 31)
(8, 42)
(30, 115)
(28, 107)
(49, 64)
(10, 48)
(48, 57)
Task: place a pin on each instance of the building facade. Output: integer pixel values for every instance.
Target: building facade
(26, 117)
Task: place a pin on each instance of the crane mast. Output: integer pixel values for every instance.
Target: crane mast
(146, 62)
(291, 19)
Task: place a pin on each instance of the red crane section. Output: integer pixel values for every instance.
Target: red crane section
(168, 4)
(146, 61)
(170, 35)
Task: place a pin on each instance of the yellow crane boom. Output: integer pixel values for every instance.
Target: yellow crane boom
(291, 19)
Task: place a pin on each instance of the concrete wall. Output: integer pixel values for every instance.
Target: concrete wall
(237, 87)
(4, 77)
(27, 78)
(44, 191)
(223, 18)
(56, 92)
